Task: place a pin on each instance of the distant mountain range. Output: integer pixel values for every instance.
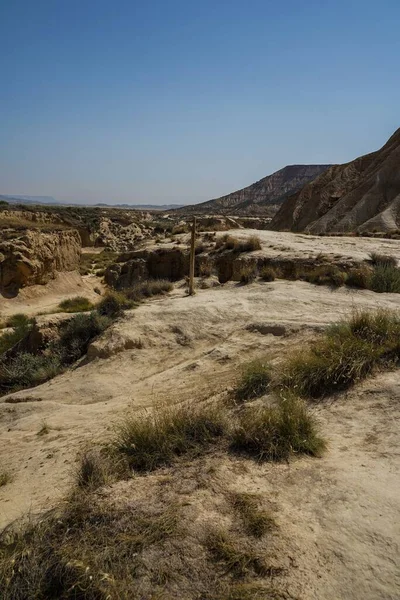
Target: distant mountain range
(52, 201)
(259, 196)
(362, 195)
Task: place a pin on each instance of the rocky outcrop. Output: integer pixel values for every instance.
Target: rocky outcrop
(35, 257)
(362, 195)
(258, 197)
(163, 263)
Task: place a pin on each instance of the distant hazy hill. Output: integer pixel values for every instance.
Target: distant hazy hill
(270, 190)
(362, 195)
(51, 200)
(29, 199)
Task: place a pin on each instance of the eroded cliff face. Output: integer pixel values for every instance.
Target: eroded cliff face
(35, 256)
(363, 195)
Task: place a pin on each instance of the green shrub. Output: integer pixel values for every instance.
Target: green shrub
(385, 278)
(27, 370)
(384, 260)
(76, 304)
(20, 320)
(21, 325)
(113, 304)
(157, 439)
(276, 432)
(268, 273)
(255, 380)
(77, 334)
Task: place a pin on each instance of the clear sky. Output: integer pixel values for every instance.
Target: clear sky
(181, 101)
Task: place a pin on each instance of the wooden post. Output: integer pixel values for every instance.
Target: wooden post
(192, 255)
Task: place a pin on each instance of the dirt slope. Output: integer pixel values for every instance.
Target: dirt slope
(362, 195)
(256, 198)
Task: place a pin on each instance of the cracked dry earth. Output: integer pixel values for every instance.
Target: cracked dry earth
(338, 515)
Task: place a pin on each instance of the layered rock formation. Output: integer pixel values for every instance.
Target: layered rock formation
(35, 256)
(260, 196)
(362, 195)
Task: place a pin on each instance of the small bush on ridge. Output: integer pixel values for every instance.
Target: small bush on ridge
(268, 273)
(76, 304)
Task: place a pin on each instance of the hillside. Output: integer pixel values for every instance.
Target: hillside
(260, 196)
(362, 195)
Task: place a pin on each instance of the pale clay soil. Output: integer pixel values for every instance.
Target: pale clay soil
(338, 515)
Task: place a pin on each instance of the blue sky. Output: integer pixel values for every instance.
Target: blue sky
(182, 101)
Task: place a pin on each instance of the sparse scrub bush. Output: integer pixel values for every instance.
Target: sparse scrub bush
(205, 268)
(156, 439)
(255, 380)
(385, 278)
(27, 370)
(148, 288)
(248, 273)
(268, 273)
(359, 277)
(94, 470)
(383, 260)
(237, 560)
(252, 243)
(83, 550)
(327, 275)
(276, 432)
(77, 334)
(229, 242)
(346, 354)
(113, 304)
(76, 304)
(21, 325)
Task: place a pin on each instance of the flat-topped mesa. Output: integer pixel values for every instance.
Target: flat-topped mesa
(362, 195)
(35, 257)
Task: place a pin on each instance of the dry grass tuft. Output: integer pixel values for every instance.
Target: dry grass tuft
(76, 304)
(256, 522)
(236, 559)
(148, 288)
(382, 260)
(347, 353)
(248, 273)
(158, 438)
(268, 273)
(276, 432)
(255, 380)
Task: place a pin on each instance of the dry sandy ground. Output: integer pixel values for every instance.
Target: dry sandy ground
(42, 298)
(281, 243)
(338, 516)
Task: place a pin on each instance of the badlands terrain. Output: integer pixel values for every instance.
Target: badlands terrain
(334, 517)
